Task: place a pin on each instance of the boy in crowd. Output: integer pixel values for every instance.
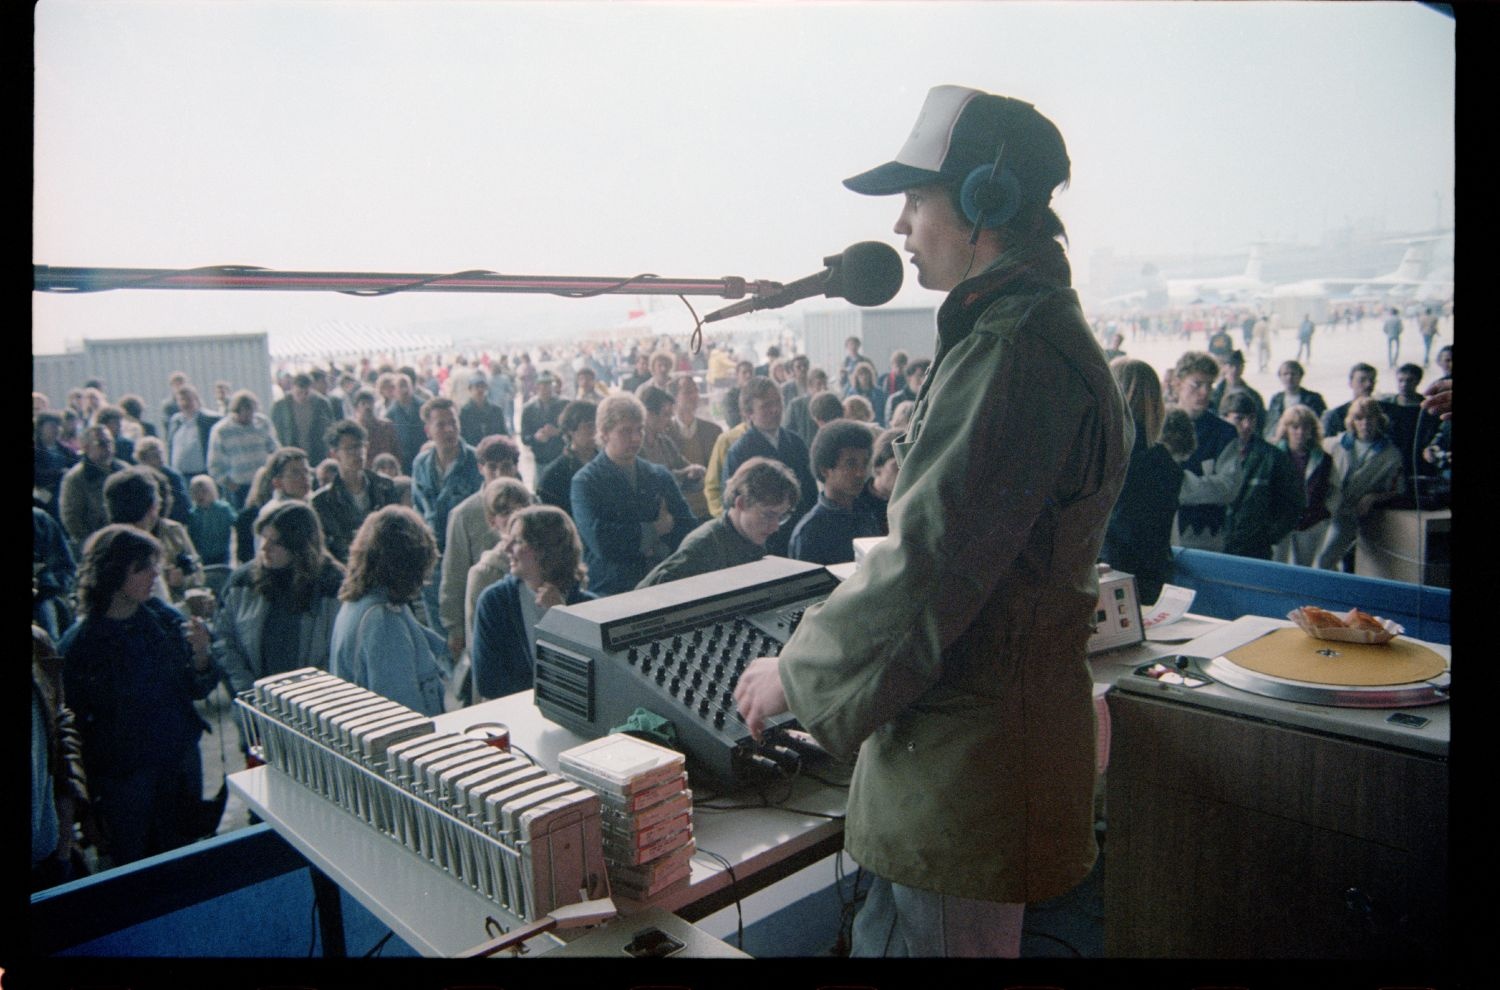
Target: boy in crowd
(841, 454)
(210, 521)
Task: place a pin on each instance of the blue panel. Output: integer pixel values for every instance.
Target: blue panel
(1228, 587)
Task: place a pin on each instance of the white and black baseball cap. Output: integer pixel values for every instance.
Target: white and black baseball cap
(960, 129)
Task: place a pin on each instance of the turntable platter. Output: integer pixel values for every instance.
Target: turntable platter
(1292, 666)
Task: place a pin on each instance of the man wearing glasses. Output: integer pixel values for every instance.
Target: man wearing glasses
(354, 493)
(761, 496)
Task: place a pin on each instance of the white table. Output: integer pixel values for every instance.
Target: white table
(439, 916)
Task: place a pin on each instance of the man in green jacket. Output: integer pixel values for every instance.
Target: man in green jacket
(954, 660)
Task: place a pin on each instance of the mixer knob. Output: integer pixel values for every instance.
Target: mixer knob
(719, 719)
(687, 696)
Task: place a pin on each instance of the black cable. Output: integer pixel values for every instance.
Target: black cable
(415, 283)
(1053, 938)
(696, 340)
(528, 756)
(734, 885)
(375, 950)
(590, 293)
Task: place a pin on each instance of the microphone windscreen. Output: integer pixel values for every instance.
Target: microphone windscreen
(869, 274)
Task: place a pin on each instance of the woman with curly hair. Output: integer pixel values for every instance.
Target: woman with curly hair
(377, 641)
(1300, 434)
(279, 609)
(132, 668)
(546, 569)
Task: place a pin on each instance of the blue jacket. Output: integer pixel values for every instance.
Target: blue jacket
(790, 451)
(826, 535)
(382, 646)
(609, 515)
(436, 496)
(503, 659)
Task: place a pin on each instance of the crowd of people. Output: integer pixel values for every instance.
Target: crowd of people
(406, 527)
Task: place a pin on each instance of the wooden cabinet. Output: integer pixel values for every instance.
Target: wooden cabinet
(1232, 837)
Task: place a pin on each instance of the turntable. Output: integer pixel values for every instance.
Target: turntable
(1394, 694)
(1292, 803)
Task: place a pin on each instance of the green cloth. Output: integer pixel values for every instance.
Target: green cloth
(651, 727)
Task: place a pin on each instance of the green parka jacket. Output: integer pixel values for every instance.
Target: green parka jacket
(954, 660)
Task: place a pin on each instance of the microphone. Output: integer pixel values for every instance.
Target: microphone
(867, 274)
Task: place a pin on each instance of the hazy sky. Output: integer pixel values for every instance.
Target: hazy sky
(694, 140)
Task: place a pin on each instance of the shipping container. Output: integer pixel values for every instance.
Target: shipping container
(881, 332)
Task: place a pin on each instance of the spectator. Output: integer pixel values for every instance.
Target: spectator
(797, 411)
(502, 497)
(151, 453)
(1292, 394)
(1368, 471)
(380, 434)
(1361, 384)
(468, 537)
(443, 476)
(914, 373)
(50, 461)
(326, 472)
(279, 609)
(852, 358)
(386, 465)
(658, 447)
(285, 476)
(586, 386)
(1200, 515)
(555, 486)
(1301, 437)
(761, 404)
(661, 365)
(761, 496)
(1233, 380)
(210, 522)
(863, 384)
(693, 435)
(1427, 325)
(856, 408)
(797, 379)
(1138, 539)
(1268, 494)
(479, 418)
(1445, 361)
(1392, 328)
(82, 489)
(404, 490)
(302, 418)
(901, 414)
(110, 418)
(743, 372)
(354, 492)
(545, 570)
(222, 395)
(377, 641)
(132, 667)
(169, 406)
(539, 429)
(136, 497)
(59, 785)
(823, 409)
(841, 454)
(53, 574)
(629, 511)
(892, 381)
(133, 425)
(188, 433)
(405, 413)
(885, 469)
(238, 445)
(1304, 338)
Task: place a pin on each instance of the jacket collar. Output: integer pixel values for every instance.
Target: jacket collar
(1037, 265)
(1346, 440)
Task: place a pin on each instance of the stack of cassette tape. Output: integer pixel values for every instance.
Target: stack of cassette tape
(526, 838)
(646, 810)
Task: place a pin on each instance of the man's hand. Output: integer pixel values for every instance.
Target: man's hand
(547, 432)
(455, 643)
(758, 695)
(196, 631)
(1439, 401)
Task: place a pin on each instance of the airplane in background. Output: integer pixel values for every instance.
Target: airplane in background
(1410, 279)
(1206, 291)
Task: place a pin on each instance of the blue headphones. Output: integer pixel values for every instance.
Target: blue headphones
(991, 195)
